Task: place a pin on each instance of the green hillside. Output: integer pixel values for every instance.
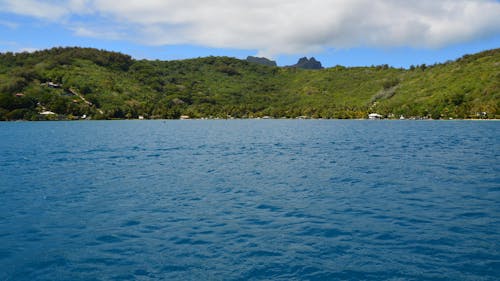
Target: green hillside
(73, 82)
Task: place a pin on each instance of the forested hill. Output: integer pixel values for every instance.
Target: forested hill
(68, 83)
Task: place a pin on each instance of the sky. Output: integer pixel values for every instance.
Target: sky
(336, 32)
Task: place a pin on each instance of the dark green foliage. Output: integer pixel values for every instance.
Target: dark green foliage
(228, 70)
(11, 102)
(390, 83)
(76, 81)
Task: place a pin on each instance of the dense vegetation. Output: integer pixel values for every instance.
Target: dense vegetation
(75, 82)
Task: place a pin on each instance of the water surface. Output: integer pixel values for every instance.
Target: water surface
(250, 200)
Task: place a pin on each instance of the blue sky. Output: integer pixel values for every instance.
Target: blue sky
(336, 32)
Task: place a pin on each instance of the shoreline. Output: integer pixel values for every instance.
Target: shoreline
(235, 119)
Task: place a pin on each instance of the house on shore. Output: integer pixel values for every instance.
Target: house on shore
(374, 116)
(46, 112)
(54, 85)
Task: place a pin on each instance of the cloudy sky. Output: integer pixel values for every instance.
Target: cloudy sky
(345, 32)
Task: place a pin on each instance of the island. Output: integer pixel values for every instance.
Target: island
(74, 83)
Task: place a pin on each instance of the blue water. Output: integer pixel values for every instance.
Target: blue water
(250, 200)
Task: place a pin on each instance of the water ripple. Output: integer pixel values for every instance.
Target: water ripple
(250, 200)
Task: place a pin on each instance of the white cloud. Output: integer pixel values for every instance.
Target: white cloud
(88, 31)
(277, 26)
(9, 24)
(39, 9)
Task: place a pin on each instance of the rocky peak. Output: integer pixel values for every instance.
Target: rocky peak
(306, 63)
(263, 61)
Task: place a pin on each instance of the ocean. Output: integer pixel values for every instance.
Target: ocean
(250, 200)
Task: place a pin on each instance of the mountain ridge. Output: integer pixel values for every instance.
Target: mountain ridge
(116, 86)
(306, 63)
(261, 60)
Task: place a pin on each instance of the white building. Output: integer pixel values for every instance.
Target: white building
(46, 112)
(373, 116)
